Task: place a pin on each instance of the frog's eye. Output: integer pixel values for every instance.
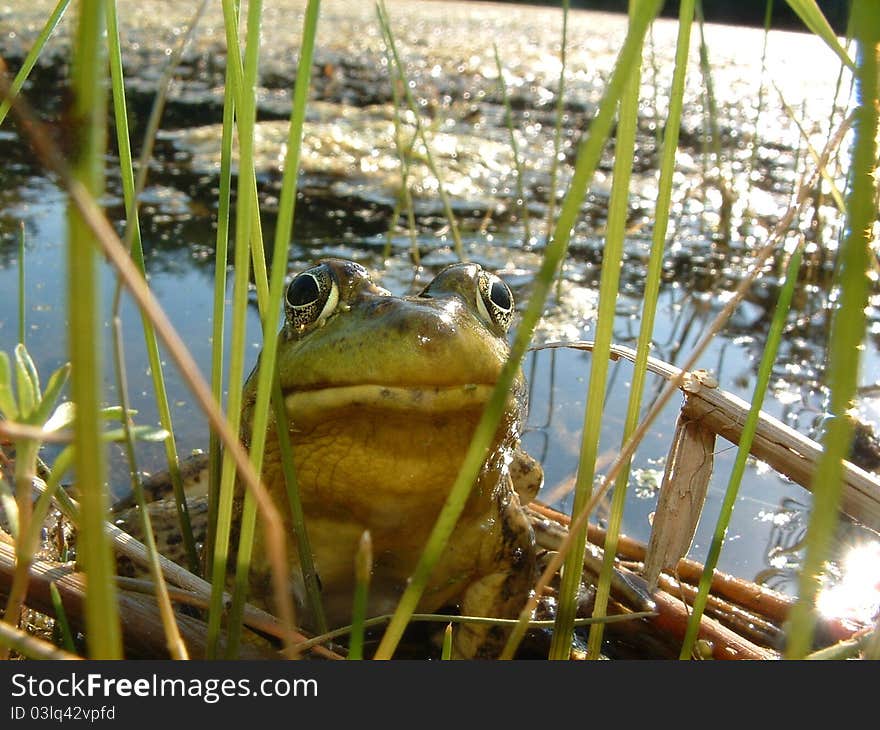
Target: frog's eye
(494, 300)
(311, 297)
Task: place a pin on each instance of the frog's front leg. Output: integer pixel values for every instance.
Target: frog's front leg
(502, 592)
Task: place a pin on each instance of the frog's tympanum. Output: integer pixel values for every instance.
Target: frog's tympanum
(383, 394)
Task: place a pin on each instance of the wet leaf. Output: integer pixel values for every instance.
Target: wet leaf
(56, 383)
(27, 381)
(114, 413)
(8, 406)
(61, 418)
(9, 507)
(138, 433)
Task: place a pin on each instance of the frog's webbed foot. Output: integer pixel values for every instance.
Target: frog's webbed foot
(503, 592)
(526, 475)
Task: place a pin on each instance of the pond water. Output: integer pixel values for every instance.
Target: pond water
(347, 214)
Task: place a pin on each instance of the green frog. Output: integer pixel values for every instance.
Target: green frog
(383, 394)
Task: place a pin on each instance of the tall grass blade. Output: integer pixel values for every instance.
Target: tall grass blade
(404, 152)
(765, 371)
(174, 642)
(420, 129)
(218, 328)
(649, 308)
(557, 124)
(612, 257)
(363, 566)
(588, 158)
(809, 12)
(243, 80)
(89, 108)
(521, 201)
(62, 625)
(32, 56)
(847, 328)
(131, 190)
(21, 284)
(267, 381)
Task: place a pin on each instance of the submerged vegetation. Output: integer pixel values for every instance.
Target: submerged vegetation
(428, 187)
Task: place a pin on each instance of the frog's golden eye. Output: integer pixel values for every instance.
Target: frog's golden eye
(494, 300)
(311, 297)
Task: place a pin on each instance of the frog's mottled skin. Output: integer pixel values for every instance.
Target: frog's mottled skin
(383, 394)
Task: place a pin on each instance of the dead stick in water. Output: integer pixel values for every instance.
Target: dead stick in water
(756, 598)
(751, 596)
(671, 614)
(140, 618)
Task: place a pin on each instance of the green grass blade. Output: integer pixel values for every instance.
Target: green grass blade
(363, 566)
(174, 642)
(612, 258)
(218, 328)
(420, 129)
(32, 56)
(61, 622)
(245, 110)
(27, 383)
(765, 372)
(21, 282)
(522, 202)
(446, 651)
(46, 406)
(103, 634)
(8, 404)
(649, 308)
(587, 161)
(266, 379)
(131, 190)
(847, 329)
(808, 11)
(557, 125)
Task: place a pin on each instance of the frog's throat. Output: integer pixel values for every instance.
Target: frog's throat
(304, 404)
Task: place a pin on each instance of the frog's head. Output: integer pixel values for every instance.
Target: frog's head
(385, 391)
(347, 340)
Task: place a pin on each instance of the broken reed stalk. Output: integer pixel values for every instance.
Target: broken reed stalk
(786, 450)
(667, 621)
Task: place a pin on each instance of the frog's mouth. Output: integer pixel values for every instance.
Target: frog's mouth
(308, 404)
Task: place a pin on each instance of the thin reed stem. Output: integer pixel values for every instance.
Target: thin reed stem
(612, 257)
(847, 330)
(649, 309)
(587, 161)
(31, 58)
(103, 634)
(521, 202)
(765, 371)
